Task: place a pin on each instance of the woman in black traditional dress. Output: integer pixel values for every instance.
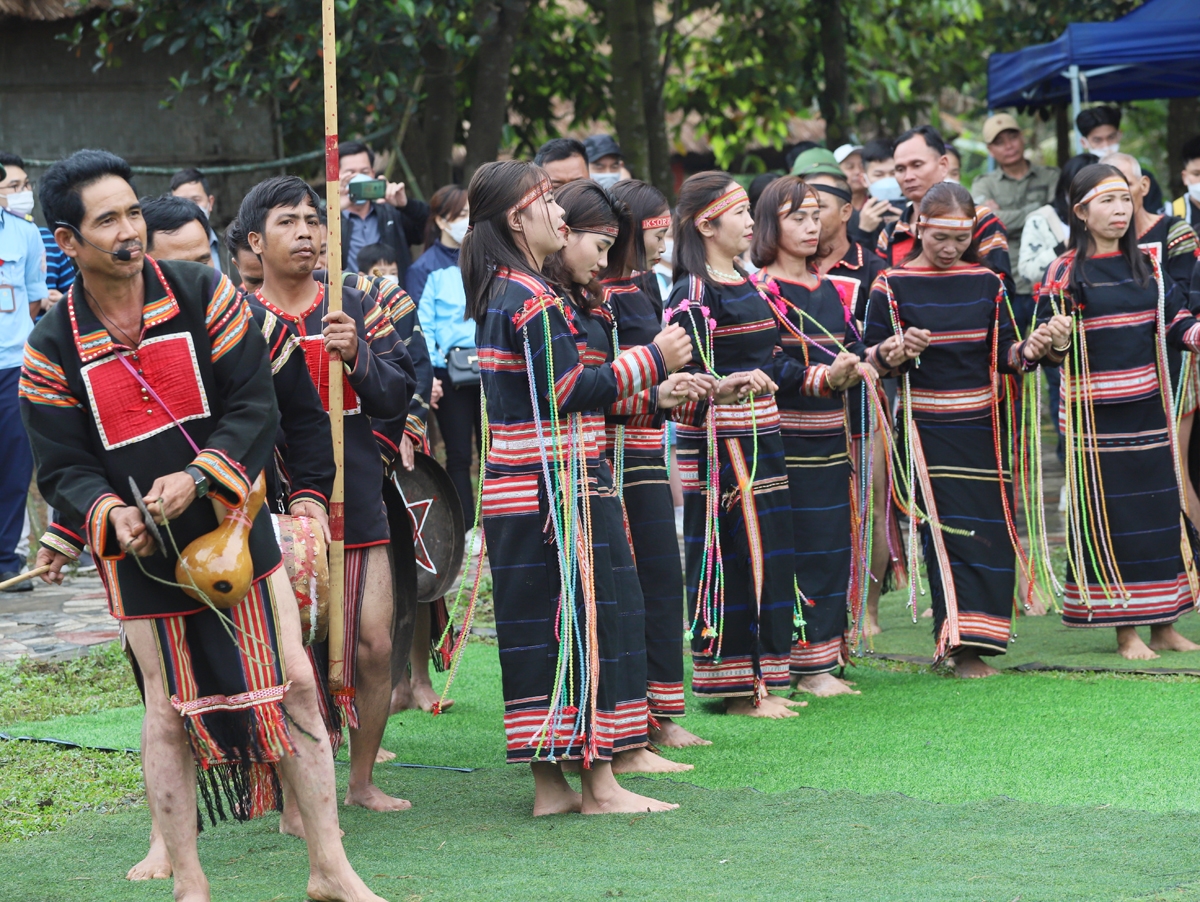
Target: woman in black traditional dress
(600, 232)
(547, 522)
(813, 320)
(737, 514)
(942, 320)
(1130, 551)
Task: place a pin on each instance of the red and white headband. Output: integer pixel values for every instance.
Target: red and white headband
(1110, 185)
(946, 223)
(723, 204)
(656, 222)
(532, 194)
(809, 202)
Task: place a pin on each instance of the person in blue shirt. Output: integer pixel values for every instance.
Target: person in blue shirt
(22, 290)
(435, 281)
(16, 193)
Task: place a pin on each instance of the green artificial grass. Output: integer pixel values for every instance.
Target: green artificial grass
(1037, 640)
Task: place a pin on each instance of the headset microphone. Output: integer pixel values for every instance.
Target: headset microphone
(123, 254)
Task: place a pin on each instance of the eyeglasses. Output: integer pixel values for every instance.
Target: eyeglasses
(13, 186)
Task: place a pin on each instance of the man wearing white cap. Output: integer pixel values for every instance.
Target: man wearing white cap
(1014, 190)
(849, 158)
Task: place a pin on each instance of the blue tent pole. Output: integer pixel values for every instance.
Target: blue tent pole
(1073, 75)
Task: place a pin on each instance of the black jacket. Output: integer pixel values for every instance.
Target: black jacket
(398, 228)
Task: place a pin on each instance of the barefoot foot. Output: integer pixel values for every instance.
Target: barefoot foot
(402, 698)
(824, 685)
(560, 800)
(1164, 637)
(670, 734)
(383, 756)
(872, 627)
(928, 612)
(747, 708)
(1131, 647)
(373, 798)
(785, 702)
(970, 666)
(621, 801)
(425, 697)
(644, 761)
(155, 866)
(345, 886)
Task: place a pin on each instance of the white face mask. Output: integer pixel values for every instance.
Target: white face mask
(1194, 190)
(391, 280)
(20, 202)
(457, 230)
(1103, 152)
(606, 179)
(668, 250)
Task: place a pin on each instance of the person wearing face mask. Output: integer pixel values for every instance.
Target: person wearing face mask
(1099, 130)
(190, 184)
(814, 323)
(605, 163)
(16, 194)
(1188, 206)
(377, 261)
(552, 523)
(1130, 552)
(883, 201)
(938, 319)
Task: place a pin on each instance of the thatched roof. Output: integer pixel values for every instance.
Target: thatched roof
(46, 10)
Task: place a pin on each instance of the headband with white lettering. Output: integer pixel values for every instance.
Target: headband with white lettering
(656, 222)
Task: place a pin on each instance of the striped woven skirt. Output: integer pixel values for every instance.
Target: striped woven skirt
(971, 577)
(1141, 506)
(818, 469)
(651, 519)
(549, 712)
(755, 531)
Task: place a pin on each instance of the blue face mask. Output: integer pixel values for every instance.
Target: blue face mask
(606, 179)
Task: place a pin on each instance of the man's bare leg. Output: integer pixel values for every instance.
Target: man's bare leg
(373, 685)
(552, 794)
(671, 735)
(171, 771)
(157, 863)
(1164, 637)
(969, 665)
(823, 685)
(308, 774)
(1130, 645)
(602, 794)
(880, 553)
(422, 686)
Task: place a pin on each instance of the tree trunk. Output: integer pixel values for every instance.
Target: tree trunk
(439, 121)
(1062, 133)
(499, 23)
(629, 113)
(658, 172)
(1182, 116)
(835, 97)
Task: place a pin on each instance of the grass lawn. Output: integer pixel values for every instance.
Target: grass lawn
(1042, 786)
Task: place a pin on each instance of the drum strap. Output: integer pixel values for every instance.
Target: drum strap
(153, 394)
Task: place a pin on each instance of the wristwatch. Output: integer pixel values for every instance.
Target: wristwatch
(200, 478)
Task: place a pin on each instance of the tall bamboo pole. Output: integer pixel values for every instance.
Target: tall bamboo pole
(337, 506)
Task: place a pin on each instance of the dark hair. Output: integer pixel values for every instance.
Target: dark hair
(764, 248)
(944, 200)
(11, 159)
(1081, 242)
(589, 208)
(447, 202)
(186, 177)
(235, 238)
(759, 185)
(1062, 189)
(168, 214)
(933, 140)
(277, 191)
(696, 193)
(559, 149)
(1190, 151)
(63, 184)
(644, 202)
(353, 148)
(953, 151)
(1090, 119)
(798, 148)
(372, 254)
(490, 245)
(878, 150)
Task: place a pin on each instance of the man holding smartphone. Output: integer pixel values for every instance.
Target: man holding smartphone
(375, 211)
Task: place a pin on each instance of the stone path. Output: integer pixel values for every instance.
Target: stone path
(54, 622)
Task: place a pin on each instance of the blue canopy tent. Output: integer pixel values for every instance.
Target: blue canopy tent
(1152, 52)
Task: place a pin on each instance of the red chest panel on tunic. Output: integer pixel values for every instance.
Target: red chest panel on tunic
(318, 368)
(125, 412)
